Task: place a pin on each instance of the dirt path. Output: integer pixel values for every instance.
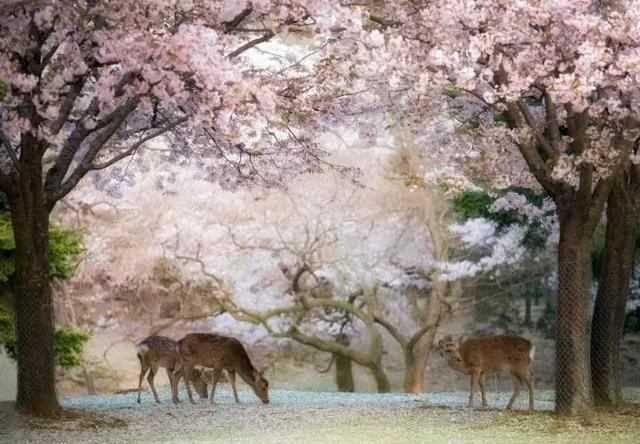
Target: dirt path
(305, 417)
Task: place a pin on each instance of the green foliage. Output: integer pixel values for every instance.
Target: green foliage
(500, 117)
(451, 92)
(477, 202)
(7, 330)
(64, 247)
(472, 203)
(469, 125)
(68, 344)
(632, 321)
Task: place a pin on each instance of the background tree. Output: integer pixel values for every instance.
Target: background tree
(565, 100)
(86, 84)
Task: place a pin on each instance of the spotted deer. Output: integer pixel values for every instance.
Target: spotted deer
(484, 354)
(159, 351)
(211, 375)
(219, 353)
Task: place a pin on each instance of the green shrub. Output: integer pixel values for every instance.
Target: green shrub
(68, 343)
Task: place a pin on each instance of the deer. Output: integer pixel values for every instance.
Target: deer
(219, 352)
(211, 375)
(160, 351)
(479, 355)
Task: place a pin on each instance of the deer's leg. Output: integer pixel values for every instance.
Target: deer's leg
(187, 373)
(216, 376)
(529, 381)
(232, 380)
(482, 392)
(177, 375)
(150, 376)
(172, 383)
(144, 367)
(474, 379)
(516, 391)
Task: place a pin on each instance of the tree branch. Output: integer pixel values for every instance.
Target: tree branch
(116, 119)
(392, 331)
(531, 122)
(132, 149)
(250, 44)
(419, 334)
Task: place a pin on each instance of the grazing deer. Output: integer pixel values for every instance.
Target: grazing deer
(219, 352)
(480, 355)
(159, 351)
(211, 375)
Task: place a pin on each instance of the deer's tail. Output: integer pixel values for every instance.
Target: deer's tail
(532, 352)
(141, 350)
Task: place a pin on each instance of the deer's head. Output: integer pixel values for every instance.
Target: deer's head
(261, 386)
(450, 349)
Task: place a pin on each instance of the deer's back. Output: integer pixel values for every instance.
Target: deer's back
(160, 350)
(498, 353)
(213, 350)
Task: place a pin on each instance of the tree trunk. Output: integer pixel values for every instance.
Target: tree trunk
(611, 300)
(344, 374)
(381, 378)
(344, 367)
(527, 309)
(417, 359)
(573, 383)
(415, 364)
(32, 299)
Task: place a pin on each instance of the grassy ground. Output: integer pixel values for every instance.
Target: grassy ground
(305, 417)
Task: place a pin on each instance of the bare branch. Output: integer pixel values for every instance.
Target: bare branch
(133, 148)
(116, 119)
(250, 44)
(537, 131)
(393, 331)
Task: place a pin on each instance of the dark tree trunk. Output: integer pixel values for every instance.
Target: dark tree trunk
(611, 300)
(33, 302)
(573, 383)
(527, 309)
(344, 374)
(344, 367)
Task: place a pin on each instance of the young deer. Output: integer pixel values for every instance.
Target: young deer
(219, 352)
(480, 355)
(211, 375)
(159, 351)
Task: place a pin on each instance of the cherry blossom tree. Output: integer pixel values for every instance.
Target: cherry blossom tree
(84, 84)
(559, 80)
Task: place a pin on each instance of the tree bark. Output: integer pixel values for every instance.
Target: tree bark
(417, 358)
(344, 374)
(344, 367)
(611, 300)
(527, 309)
(381, 379)
(33, 302)
(416, 363)
(573, 386)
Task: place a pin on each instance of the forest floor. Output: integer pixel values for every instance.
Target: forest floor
(314, 417)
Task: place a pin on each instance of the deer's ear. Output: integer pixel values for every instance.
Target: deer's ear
(441, 343)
